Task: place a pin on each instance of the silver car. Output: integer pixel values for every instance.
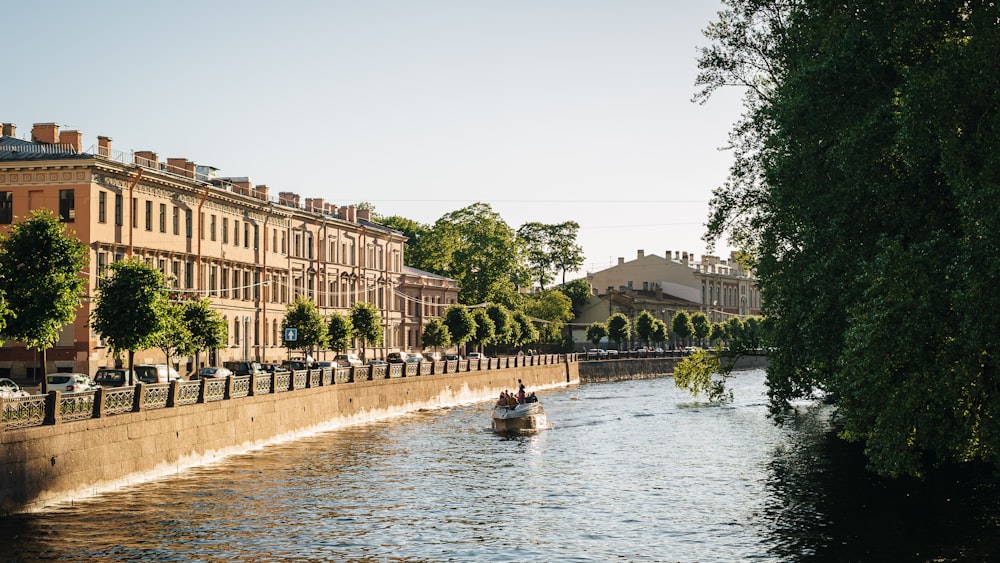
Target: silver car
(70, 382)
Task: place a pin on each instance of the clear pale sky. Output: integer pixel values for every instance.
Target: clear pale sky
(548, 110)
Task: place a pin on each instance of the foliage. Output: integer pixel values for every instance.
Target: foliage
(174, 337)
(435, 334)
(40, 265)
(578, 292)
(527, 331)
(865, 187)
(596, 332)
(474, 246)
(503, 324)
(659, 334)
(701, 327)
(209, 331)
(339, 331)
(303, 316)
(618, 329)
(484, 327)
(551, 248)
(461, 324)
(367, 323)
(415, 253)
(644, 324)
(681, 327)
(700, 372)
(131, 305)
(552, 306)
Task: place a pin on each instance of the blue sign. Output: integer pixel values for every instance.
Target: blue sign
(291, 334)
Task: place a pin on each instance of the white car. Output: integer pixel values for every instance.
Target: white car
(11, 390)
(70, 382)
(213, 372)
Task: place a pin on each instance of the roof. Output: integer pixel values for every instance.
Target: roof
(409, 270)
(12, 148)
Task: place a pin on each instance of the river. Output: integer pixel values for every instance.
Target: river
(629, 471)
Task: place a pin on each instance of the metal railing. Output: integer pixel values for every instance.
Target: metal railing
(59, 408)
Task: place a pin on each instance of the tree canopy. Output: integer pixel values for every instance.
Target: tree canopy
(303, 316)
(866, 191)
(367, 322)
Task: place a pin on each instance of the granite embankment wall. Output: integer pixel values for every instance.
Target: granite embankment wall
(646, 368)
(55, 463)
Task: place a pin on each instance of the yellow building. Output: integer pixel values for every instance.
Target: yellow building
(223, 238)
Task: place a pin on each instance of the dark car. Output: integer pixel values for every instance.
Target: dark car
(273, 368)
(107, 377)
(294, 365)
(396, 357)
(244, 368)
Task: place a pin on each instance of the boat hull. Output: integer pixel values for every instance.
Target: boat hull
(526, 417)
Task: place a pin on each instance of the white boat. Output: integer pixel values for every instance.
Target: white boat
(524, 417)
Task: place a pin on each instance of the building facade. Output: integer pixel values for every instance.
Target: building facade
(223, 238)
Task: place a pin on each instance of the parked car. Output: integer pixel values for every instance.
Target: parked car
(243, 367)
(348, 360)
(396, 358)
(451, 357)
(69, 382)
(433, 357)
(213, 372)
(272, 368)
(155, 373)
(597, 353)
(325, 365)
(11, 390)
(111, 377)
(414, 358)
(476, 356)
(612, 353)
(374, 362)
(294, 365)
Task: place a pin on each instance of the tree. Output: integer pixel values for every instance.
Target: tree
(680, 326)
(535, 238)
(644, 324)
(131, 305)
(701, 327)
(567, 255)
(619, 329)
(339, 331)
(503, 325)
(40, 265)
(174, 337)
(695, 374)
(579, 292)
(461, 324)
(552, 306)
(435, 334)
(416, 254)
(367, 323)
(484, 327)
(526, 329)
(659, 332)
(596, 332)
(476, 247)
(209, 331)
(303, 316)
(862, 191)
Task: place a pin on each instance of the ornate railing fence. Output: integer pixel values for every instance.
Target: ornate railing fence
(59, 408)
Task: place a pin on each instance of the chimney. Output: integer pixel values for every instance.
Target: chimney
(330, 208)
(103, 146)
(314, 204)
(621, 260)
(685, 258)
(9, 130)
(288, 198)
(261, 192)
(45, 133)
(149, 159)
(181, 167)
(677, 255)
(364, 215)
(640, 254)
(73, 139)
(667, 254)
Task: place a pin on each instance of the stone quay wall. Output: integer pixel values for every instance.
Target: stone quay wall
(62, 460)
(594, 371)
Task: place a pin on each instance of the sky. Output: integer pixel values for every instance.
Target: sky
(548, 110)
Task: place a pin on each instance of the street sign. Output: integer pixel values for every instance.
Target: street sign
(291, 334)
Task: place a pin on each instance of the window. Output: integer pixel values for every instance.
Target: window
(67, 205)
(102, 264)
(189, 275)
(256, 237)
(246, 286)
(283, 244)
(135, 214)
(201, 225)
(163, 217)
(187, 222)
(246, 234)
(225, 230)
(211, 227)
(224, 282)
(177, 221)
(149, 215)
(176, 272)
(236, 233)
(119, 210)
(212, 277)
(236, 284)
(102, 207)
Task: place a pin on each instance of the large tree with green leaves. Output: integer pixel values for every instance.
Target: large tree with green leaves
(644, 324)
(435, 334)
(476, 247)
(596, 332)
(461, 324)
(503, 325)
(526, 330)
(619, 329)
(131, 305)
(367, 322)
(174, 337)
(484, 327)
(864, 190)
(40, 265)
(340, 332)
(550, 249)
(304, 317)
(681, 327)
(553, 307)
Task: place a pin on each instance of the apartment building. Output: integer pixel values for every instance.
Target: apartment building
(225, 238)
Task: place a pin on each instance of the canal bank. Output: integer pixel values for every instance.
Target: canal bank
(64, 461)
(595, 371)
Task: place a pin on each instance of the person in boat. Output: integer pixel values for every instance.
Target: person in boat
(531, 398)
(511, 400)
(502, 402)
(520, 392)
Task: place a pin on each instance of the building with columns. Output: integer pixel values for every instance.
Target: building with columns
(225, 238)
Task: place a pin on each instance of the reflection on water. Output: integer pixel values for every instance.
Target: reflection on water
(632, 471)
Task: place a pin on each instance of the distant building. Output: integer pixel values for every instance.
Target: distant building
(422, 296)
(223, 238)
(665, 285)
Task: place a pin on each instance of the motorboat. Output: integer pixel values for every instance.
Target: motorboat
(522, 417)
